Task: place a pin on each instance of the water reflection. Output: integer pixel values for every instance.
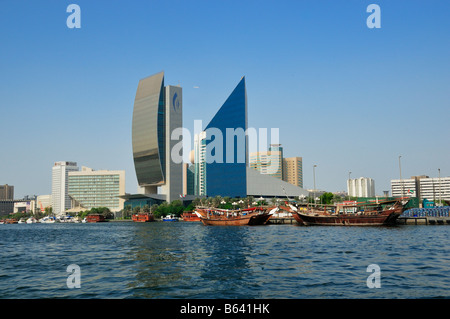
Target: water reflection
(226, 267)
(179, 260)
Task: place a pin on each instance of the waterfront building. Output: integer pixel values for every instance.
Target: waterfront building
(293, 171)
(60, 196)
(6, 207)
(361, 187)
(26, 205)
(6, 192)
(102, 188)
(11, 206)
(423, 187)
(266, 186)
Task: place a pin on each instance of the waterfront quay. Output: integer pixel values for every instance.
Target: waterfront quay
(426, 216)
(423, 220)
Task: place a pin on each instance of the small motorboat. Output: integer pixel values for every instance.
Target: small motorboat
(170, 218)
(31, 220)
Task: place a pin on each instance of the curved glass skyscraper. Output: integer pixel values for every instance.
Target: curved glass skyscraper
(157, 112)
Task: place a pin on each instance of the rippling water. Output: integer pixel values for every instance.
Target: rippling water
(189, 260)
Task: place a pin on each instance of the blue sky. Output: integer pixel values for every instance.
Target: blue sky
(345, 97)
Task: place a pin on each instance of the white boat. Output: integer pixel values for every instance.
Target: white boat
(21, 221)
(47, 220)
(170, 218)
(31, 220)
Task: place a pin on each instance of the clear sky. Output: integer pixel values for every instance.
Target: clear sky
(344, 97)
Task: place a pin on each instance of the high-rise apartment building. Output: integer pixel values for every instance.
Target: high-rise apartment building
(6, 192)
(200, 164)
(293, 171)
(60, 177)
(361, 187)
(101, 188)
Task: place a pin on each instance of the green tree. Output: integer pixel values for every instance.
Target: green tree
(326, 198)
(137, 209)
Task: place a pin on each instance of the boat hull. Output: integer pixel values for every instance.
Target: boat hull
(388, 217)
(95, 218)
(143, 218)
(250, 220)
(190, 217)
(298, 219)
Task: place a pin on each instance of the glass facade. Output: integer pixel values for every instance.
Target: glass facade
(226, 173)
(148, 131)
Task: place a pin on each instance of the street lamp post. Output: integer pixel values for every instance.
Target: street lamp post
(314, 176)
(349, 184)
(439, 170)
(400, 168)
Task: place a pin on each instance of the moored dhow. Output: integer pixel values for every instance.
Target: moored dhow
(240, 217)
(356, 214)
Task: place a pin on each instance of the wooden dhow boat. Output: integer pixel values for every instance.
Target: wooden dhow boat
(224, 217)
(356, 214)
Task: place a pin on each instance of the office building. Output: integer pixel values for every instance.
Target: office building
(361, 187)
(293, 171)
(60, 177)
(423, 187)
(102, 188)
(6, 192)
(157, 113)
(157, 120)
(226, 147)
(229, 170)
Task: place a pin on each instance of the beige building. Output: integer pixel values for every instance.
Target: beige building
(293, 171)
(90, 188)
(270, 162)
